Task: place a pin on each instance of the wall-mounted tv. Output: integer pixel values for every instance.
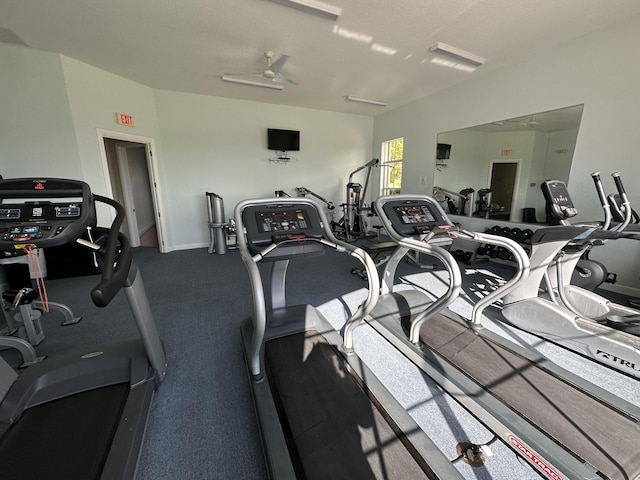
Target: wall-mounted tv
(443, 151)
(283, 140)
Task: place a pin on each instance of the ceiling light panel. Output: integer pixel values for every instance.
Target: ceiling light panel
(457, 54)
(365, 100)
(314, 7)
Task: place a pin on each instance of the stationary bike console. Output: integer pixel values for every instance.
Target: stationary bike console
(559, 203)
(410, 218)
(298, 226)
(33, 213)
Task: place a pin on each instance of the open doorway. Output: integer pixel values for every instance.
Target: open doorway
(503, 182)
(129, 170)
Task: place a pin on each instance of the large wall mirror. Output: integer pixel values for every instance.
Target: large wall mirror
(494, 170)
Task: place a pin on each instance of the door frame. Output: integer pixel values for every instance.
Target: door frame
(127, 196)
(516, 183)
(152, 167)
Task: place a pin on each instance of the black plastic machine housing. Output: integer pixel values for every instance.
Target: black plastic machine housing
(558, 201)
(40, 219)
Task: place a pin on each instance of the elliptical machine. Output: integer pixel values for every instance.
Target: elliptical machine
(577, 299)
(580, 329)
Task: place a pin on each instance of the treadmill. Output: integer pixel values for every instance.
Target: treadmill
(80, 415)
(322, 413)
(563, 426)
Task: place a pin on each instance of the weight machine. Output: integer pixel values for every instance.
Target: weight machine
(352, 224)
(304, 191)
(442, 195)
(222, 234)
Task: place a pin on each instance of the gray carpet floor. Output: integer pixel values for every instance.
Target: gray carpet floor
(202, 423)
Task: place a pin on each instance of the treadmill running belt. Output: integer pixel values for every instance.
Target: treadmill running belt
(604, 437)
(64, 439)
(337, 431)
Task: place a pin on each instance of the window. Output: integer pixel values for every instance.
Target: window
(391, 174)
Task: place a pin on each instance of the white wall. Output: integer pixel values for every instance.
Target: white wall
(598, 70)
(213, 144)
(94, 98)
(53, 107)
(36, 126)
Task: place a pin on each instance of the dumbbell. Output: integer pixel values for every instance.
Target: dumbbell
(517, 235)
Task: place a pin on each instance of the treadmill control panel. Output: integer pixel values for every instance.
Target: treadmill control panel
(43, 213)
(285, 221)
(292, 223)
(415, 217)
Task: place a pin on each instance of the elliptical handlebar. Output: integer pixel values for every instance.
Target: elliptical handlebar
(603, 200)
(626, 205)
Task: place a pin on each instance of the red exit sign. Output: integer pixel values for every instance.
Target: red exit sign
(124, 119)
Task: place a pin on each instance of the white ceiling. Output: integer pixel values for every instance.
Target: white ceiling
(186, 45)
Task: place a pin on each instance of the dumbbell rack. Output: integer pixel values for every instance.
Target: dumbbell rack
(493, 253)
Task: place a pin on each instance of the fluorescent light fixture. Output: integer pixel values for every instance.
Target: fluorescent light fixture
(314, 7)
(460, 55)
(376, 47)
(451, 64)
(357, 36)
(364, 100)
(253, 84)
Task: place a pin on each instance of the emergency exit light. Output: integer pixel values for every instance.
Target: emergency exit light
(124, 119)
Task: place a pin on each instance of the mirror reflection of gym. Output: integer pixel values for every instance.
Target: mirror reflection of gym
(494, 171)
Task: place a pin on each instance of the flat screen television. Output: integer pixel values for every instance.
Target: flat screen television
(283, 140)
(443, 151)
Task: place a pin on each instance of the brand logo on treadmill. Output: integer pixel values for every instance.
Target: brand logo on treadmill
(615, 359)
(533, 458)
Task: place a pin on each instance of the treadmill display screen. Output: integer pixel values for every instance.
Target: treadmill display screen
(283, 221)
(417, 216)
(414, 214)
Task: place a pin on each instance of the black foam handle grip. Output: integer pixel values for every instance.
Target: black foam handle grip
(598, 183)
(114, 276)
(618, 182)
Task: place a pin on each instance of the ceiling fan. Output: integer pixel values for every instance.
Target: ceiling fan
(271, 72)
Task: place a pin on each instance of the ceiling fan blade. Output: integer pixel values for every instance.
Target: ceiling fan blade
(283, 79)
(278, 64)
(244, 74)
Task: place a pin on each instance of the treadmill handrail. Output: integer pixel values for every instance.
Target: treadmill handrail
(523, 270)
(520, 256)
(259, 305)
